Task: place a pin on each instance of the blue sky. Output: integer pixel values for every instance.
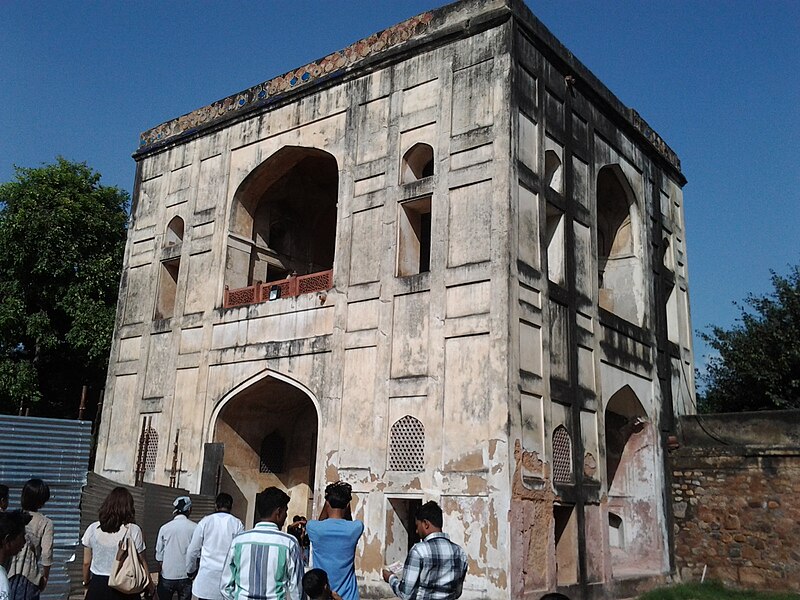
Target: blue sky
(717, 79)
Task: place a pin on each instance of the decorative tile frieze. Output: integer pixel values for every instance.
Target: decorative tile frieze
(325, 67)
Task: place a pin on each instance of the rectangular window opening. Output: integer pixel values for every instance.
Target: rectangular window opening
(566, 542)
(556, 244)
(414, 237)
(167, 288)
(401, 528)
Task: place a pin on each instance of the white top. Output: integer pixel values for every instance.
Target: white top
(104, 545)
(172, 544)
(210, 543)
(3, 584)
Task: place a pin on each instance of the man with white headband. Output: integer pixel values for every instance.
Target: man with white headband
(171, 545)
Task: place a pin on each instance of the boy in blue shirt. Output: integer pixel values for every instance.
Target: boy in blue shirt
(334, 538)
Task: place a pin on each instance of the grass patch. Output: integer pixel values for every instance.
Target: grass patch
(712, 591)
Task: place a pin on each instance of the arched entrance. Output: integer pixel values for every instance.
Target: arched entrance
(269, 434)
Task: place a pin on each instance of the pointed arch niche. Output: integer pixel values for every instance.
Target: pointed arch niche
(283, 220)
(634, 520)
(417, 163)
(620, 277)
(268, 430)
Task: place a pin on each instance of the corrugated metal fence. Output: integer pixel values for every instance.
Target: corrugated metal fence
(57, 451)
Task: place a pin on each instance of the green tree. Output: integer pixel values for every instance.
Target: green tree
(758, 362)
(62, 237)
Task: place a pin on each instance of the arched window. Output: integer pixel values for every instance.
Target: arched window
(174, 233)
(417, 163)
(616, 533)
(283, 221)
(553, 176)
(620, 276)
(151, 449)
(407, 445)
(624, 418)
(272, 455)
(562, 455)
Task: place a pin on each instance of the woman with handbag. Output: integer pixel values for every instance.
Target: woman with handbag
(30, 568)
(114, 551)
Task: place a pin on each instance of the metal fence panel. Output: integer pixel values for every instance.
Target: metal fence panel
(153, 505)
(57, 451)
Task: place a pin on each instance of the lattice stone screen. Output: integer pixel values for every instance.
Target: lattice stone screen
(562, 456)
(407, 445)
(151, 449)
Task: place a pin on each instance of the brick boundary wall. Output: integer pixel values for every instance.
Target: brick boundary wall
(737, 511)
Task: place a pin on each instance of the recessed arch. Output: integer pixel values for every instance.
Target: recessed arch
(553, 176)
(173, 235)
(417, 163)
(220, 404)
(268, 427)
(620, 276)
(283, 218)
(631, 443)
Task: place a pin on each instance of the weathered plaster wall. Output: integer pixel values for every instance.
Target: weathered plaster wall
(574, 352)
(499, 344)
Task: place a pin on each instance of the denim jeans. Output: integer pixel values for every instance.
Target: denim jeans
(168, 587)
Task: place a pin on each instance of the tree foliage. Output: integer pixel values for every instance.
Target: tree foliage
(62, 237)
(758, 362)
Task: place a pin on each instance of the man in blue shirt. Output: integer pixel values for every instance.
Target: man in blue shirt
(334, 538)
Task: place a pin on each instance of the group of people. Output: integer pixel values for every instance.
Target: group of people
(217, 559)
(26, 543)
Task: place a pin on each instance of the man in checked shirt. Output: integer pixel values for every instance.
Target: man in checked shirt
(435, 567)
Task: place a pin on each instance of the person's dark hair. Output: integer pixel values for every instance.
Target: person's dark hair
(117, 510)
(430, 511)
(297, 518)
(35, 493)
(554, 596)
(271, 499)
(224, 501)
(339, 494)
(12, 524)
(3, 492)
(314, 583)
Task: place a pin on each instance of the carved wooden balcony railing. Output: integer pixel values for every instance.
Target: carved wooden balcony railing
(283, 288)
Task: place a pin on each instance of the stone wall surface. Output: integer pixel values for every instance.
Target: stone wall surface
(737, 507)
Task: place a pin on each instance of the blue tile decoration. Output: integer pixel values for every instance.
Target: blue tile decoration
(330, 65)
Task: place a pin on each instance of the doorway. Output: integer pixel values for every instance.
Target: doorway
(269, 432)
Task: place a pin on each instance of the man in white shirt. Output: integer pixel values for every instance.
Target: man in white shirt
(210, 543)
(171, 546)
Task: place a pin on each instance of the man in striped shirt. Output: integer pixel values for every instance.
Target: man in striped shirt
(435, 567)
(264, 563)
